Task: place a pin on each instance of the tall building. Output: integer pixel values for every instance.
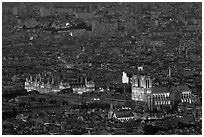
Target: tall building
(15, 11)
(169, 72)
(125, 78)
(45, 12)
(141, 87)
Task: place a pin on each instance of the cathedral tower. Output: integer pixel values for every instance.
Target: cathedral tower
(141, 86)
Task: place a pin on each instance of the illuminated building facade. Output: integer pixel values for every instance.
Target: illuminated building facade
(42, 87)
(125, 78)
(50, 86)
(141, 87)
(142, 90)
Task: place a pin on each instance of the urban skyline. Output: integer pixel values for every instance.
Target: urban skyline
(102, 68)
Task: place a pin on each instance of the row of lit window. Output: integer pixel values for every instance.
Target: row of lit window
(162, 102)
(187, 95)
(186, 100)
(161, 96)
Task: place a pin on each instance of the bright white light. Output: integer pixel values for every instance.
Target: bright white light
(31, 38)
(67, 24)
(71, 34)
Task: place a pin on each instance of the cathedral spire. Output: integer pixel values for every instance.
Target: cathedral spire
(169, 72)
(52, 83)
(110, 112)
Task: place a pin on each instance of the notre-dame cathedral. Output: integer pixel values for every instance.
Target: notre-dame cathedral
(141, 87)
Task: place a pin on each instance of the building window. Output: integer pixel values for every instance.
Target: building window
(189, 95)
(147, 83)
(162, 96)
